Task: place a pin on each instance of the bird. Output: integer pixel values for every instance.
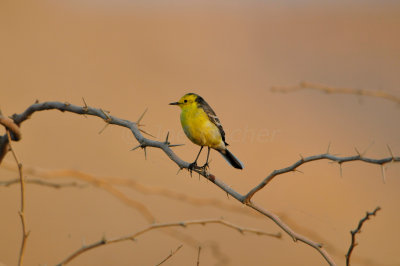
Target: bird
(202, 126)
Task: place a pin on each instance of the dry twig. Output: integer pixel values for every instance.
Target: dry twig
(358, 230)
(170, 255)
(184, 224)
(41, 183)
(25, 233)
(307, 85)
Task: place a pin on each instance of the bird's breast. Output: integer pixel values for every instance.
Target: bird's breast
(199, 129)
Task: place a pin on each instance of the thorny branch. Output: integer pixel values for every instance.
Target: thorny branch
(184, 224)
(325, 156)
(358, 230)
(307, 85)
(166, 147)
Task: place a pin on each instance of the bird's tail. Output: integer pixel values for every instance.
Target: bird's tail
(231, 159)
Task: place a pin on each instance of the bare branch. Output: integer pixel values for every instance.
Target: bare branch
(324, 156)
(184, 224)
(170, 255)
(25, 234)
(358, 230)
(327, 89)
(42, 183)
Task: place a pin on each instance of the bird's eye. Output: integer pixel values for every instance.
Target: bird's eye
(185, 101)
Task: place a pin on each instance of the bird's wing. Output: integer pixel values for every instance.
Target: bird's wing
(211, 115)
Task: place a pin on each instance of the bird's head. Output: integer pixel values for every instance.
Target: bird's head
(187, 100)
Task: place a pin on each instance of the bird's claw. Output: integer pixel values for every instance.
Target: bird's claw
(205, 166)
(192, 167)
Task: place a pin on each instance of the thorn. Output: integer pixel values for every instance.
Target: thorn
(85, 108)
(104, 239)
(179, 170)
(141, 117)
(340, 169)
(138, 146)
(390, 151)
(227, 195)
(175, 145)
(145, 153)
(166, 139)
(329, 146)
(105, 126)
(37, 101)
(108, 118)
(369, 146)
(141, 130)
(295, 170)
(383, 174)
(359, 154)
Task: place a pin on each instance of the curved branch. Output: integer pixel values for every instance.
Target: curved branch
(325, 156)
(133, 237)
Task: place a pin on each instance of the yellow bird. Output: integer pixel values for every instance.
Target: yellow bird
(202, 127)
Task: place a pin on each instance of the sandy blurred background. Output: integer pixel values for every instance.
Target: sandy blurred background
(125, 56)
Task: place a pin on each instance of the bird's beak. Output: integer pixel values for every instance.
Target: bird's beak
(175, 103)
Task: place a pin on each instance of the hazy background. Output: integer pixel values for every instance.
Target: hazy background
(125, 56)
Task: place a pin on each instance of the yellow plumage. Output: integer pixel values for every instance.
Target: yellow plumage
(202, 127)
(199, 129)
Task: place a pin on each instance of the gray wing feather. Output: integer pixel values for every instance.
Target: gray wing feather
(211, 115)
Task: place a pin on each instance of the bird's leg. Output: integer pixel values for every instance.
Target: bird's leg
(194, 164)
(206, 164)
